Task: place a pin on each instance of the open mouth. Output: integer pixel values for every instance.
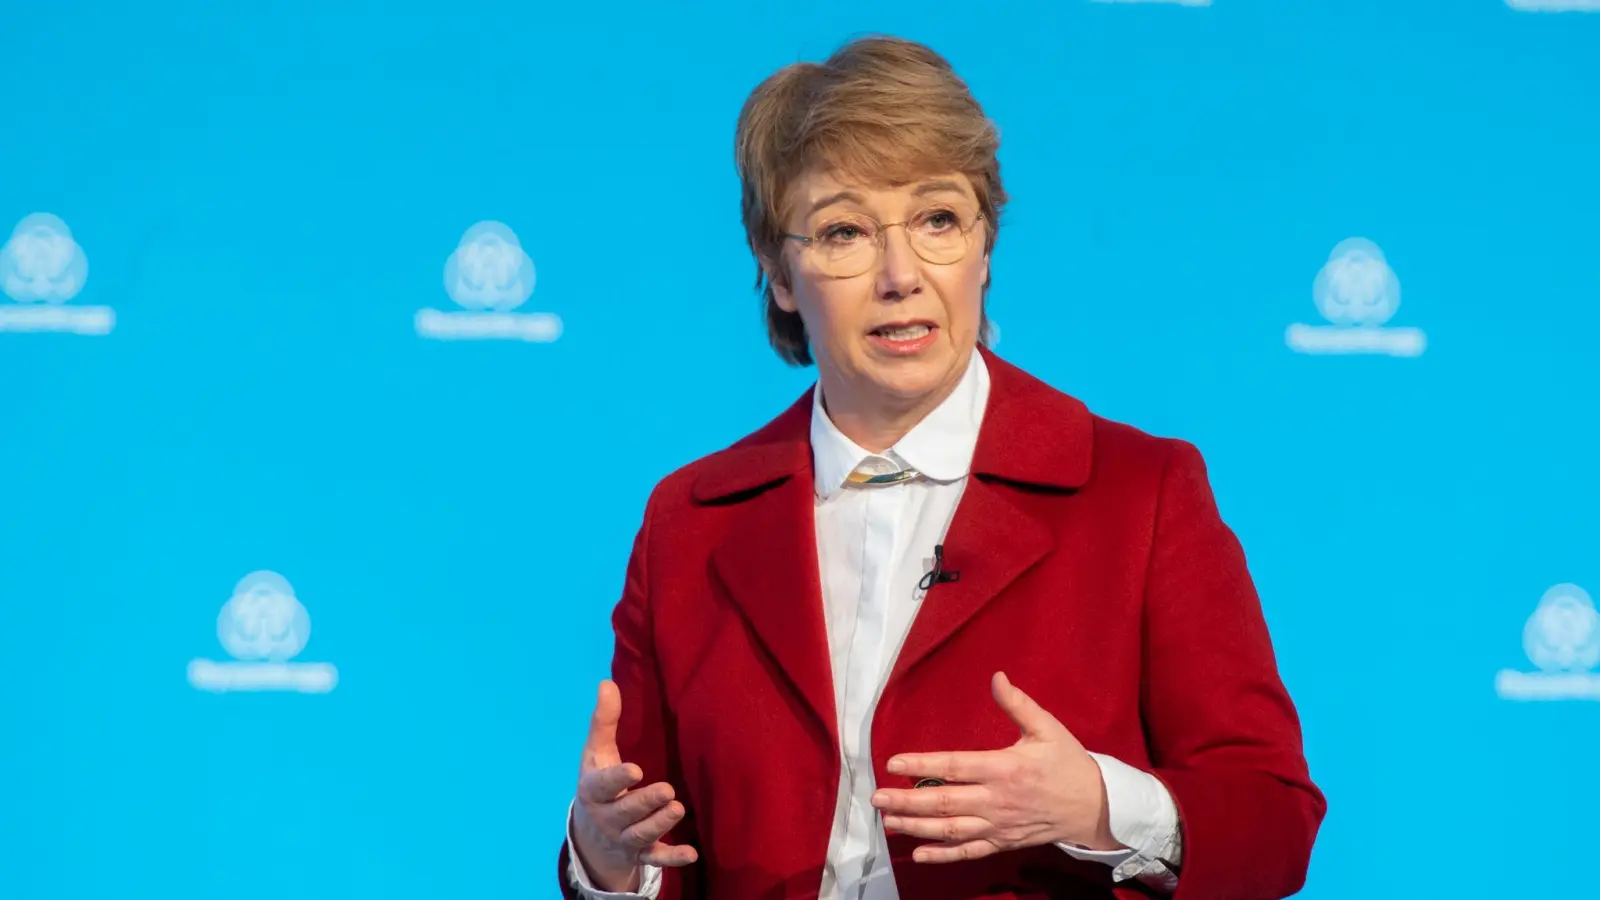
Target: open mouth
(904, 337)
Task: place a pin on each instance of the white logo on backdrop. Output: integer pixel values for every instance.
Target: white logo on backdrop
(263, 626)
(489, 275)
(1357, 292)
(1555, 5)
(42, 267)
(1562, 640)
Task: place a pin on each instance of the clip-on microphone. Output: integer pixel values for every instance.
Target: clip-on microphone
(938, 575)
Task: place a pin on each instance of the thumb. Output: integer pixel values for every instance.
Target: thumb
(1032, 719)
(600, 748)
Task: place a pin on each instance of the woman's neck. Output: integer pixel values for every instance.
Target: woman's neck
(877, 423)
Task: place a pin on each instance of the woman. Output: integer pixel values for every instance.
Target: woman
(936, 630)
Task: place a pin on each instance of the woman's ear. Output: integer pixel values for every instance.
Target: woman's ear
(778, 280)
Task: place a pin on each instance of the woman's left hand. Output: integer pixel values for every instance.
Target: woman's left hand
(1043, 789)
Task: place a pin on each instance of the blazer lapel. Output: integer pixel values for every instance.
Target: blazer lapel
(1033, 438)
(991, 542)
(767, 560)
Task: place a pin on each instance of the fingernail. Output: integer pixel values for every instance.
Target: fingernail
(880, 799)
(897, 766)
(891, 822)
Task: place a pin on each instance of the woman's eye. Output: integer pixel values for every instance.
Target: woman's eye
(843, 233)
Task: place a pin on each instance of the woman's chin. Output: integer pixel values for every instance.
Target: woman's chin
(907, 384)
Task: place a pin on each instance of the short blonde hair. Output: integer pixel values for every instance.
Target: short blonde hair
(880, 109)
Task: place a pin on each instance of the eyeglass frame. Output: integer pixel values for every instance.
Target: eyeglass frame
(883, 239)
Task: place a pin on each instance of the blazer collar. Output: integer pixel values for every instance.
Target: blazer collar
(1031, 434)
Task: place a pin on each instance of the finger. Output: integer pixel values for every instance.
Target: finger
(1033, 719)
(669, 855)
(645, 832)
(637, 805)
(947, 853)
(953, 830)
(603, 785)
(951, 800)
(600, 747)
(971, 766)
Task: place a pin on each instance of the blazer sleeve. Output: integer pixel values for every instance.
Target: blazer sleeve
(1223, 734)
(646, 734)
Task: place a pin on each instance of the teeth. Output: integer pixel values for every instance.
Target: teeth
(908, 333)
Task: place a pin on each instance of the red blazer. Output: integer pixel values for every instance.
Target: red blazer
(1095, 571)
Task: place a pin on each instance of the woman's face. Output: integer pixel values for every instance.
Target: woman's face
(897, 335)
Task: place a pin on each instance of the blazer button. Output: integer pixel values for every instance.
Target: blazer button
(929, 782)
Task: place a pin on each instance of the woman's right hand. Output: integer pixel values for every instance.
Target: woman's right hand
(617, 829)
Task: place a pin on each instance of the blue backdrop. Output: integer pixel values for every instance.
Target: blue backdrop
(341, 343)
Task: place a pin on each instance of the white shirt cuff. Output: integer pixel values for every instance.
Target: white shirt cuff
(649, 876)
(1144, 819)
